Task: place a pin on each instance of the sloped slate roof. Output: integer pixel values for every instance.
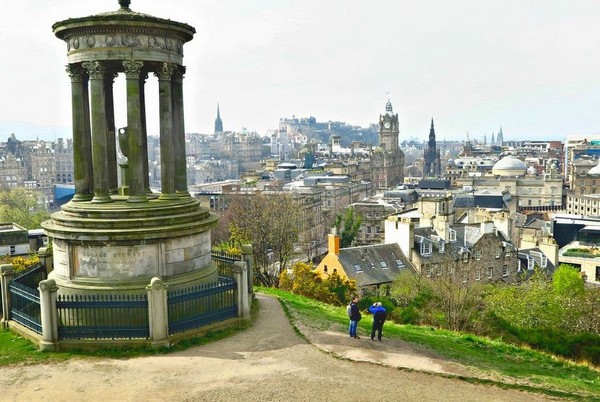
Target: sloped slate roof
(377, 264)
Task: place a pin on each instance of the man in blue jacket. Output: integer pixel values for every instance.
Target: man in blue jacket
(379, 316)
(355, 317)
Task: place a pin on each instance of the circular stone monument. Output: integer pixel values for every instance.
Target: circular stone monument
(114, 237)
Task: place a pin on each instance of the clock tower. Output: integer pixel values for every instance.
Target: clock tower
(387, 163)
(388, 129)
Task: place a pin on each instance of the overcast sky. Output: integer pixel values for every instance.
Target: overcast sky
(532, 67)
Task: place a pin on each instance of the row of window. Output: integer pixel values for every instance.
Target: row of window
(437, 270)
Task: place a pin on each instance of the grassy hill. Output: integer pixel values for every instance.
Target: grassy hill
(496, 362)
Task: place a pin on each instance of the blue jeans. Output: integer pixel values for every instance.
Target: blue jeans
(352, 328)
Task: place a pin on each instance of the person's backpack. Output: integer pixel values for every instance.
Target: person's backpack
(349, 310)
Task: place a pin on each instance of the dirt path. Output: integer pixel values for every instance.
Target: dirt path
(268, 362)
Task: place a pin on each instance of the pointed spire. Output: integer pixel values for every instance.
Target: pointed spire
(218, 121)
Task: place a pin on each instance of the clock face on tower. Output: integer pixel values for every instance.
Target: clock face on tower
(386, 124)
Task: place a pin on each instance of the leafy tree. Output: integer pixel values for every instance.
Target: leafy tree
(347, 225)
(23, 206)
(567, 281)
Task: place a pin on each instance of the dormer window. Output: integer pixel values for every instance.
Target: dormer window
(442, 246)
(426, 248)
(544, 261)
(530, 263)
(452, 235)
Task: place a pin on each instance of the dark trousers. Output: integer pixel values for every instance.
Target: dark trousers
(377, 326)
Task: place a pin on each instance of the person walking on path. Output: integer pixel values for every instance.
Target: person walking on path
(355, 317)
(379, 316)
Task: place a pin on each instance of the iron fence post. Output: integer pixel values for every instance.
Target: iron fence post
(240, 272)
(158, 315)
(6, 277)
(49, 315)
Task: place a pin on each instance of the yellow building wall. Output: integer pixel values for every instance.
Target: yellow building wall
(332, 262)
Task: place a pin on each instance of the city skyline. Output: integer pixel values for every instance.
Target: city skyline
(529, 67)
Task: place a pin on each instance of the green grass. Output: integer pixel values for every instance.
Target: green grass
(501, 360)
(15, 349)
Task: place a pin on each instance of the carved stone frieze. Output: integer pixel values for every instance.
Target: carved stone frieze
(129, 40)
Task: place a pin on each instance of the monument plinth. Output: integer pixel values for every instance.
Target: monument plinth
(115, 236)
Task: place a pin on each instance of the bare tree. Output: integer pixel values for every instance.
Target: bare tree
(270, 222)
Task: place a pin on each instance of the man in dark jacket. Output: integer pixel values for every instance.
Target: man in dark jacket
(354, 318)
(379, 316)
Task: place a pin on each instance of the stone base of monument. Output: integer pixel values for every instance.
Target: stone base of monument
(119, 247)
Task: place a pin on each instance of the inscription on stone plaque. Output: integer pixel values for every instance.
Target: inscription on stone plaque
(115, 261)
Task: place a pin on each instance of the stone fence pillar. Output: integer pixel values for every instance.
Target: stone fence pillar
(45, 256)
(247, 256)
(158, 313)
(240, 273)
(49, 315)
(6, 277)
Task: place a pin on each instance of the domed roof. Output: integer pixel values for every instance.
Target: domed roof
(595, 171)
(509, 166)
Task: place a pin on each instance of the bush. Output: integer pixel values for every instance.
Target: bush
(306, 282)
(21, 263)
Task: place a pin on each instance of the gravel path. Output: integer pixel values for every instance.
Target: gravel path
(268, 362)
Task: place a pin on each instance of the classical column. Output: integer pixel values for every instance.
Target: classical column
(82, 149)
(96, 72)
(135, 139)
(167, 148)
(111, 150)
(143, 78)
(179, 134)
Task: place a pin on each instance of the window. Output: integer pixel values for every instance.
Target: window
(465, 256)
(530, 263)
(325, 268)
(452, 234)
(377, 229)
(544, 261)
(357, 268)
(438, 269)
(478, 274)
(399, 263)
(507, 254)
(426, 248)
(383, 264)
(505, 270)
(490, 272)
(428, 272)
(368, 229)
(12, 250)
(478, 255)
(441, 246)
(498, 253)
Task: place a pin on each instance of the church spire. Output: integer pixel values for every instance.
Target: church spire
(432, 135)
(218, 121)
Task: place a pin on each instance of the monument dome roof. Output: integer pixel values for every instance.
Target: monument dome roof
(509, 166)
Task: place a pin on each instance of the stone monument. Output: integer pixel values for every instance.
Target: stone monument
(114, 237)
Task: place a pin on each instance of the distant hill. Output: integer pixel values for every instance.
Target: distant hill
(30, 131)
